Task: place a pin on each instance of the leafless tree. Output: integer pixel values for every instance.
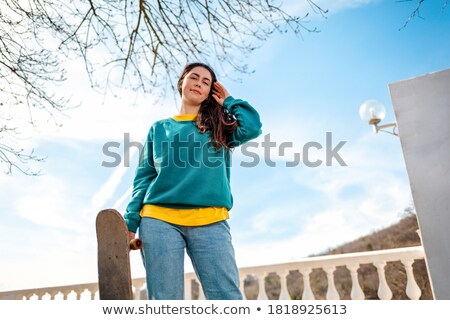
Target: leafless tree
(137, 44)
(27, 68)
(148, 41)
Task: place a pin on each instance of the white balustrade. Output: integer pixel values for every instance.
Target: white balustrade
(262, 286)
(357, 293)
(241, 287)
(384, 292)
(188, 286)
(284, 294)
(352, 261)
(201, 293)
(332, 293)
(137, 288)
(307, 292)
(412, 289)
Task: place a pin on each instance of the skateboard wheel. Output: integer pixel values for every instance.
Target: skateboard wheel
(136, 244)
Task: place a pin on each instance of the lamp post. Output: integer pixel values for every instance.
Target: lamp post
(373, 112)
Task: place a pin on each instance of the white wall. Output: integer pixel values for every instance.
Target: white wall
(422, 109)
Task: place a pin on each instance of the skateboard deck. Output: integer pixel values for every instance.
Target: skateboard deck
(113, 256)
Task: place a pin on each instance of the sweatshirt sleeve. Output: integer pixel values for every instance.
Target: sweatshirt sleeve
(145, 173)
(249, 123)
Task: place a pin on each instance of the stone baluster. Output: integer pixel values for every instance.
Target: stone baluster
(32, 296)
(242, 286)
(284, 293)
(93, 291)
(412, 289)
(307, 292)
(201, 294)
(188, 288)
(332, 293)
(87, 293)
(384, 292)
(419, 234)
(47, 296)
(357, 293)
(262, 287)
(55, 294)
(138, 284)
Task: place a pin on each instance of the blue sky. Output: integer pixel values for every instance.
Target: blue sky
(303, 88)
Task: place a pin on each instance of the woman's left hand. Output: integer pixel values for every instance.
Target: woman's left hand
(220, 93)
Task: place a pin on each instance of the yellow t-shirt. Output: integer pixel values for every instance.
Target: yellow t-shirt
(186, 217)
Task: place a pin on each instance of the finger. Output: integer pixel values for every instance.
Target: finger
(218, 99)
(217, 93)
(216, 90)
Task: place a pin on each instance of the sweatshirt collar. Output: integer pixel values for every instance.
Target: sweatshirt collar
(185, 117)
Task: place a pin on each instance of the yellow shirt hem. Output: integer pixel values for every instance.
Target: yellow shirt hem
(186, 217)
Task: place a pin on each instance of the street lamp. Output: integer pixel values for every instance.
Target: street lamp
(373, 112)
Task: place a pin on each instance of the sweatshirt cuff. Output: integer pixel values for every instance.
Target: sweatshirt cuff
(227, 102)
(132, 225)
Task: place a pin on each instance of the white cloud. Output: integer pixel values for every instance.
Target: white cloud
(46, 203)
(378, 190)
(108, 189)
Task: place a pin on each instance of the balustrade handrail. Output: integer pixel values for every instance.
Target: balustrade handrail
(342, 259)
(327, 262)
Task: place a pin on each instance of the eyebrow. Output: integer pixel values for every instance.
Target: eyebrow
(199, 76)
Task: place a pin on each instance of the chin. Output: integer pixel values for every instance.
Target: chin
(194, 101)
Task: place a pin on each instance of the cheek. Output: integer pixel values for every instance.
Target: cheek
(183, 85)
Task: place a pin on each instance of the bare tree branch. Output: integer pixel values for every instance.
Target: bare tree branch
(416, 12)
(149, 40)
(153, 39)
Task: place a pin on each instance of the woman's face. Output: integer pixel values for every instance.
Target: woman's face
(196, 85)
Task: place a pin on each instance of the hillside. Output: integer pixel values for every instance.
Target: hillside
(401, 234)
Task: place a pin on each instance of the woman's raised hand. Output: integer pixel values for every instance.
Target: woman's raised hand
(220, 93)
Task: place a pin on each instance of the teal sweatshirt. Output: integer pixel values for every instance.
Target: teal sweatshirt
(179, 168)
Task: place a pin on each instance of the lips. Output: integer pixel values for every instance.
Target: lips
(195, 91)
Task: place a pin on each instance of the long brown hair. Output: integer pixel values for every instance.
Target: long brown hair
(212, 116)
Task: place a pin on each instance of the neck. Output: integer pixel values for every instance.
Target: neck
(188, 108)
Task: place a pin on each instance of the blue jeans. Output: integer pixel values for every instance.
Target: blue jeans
(209, 248)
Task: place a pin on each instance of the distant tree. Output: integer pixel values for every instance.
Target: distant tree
(137, 44)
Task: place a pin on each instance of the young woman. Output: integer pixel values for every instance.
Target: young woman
(181, 191)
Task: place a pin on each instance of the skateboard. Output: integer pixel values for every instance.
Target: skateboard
(113, 256)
